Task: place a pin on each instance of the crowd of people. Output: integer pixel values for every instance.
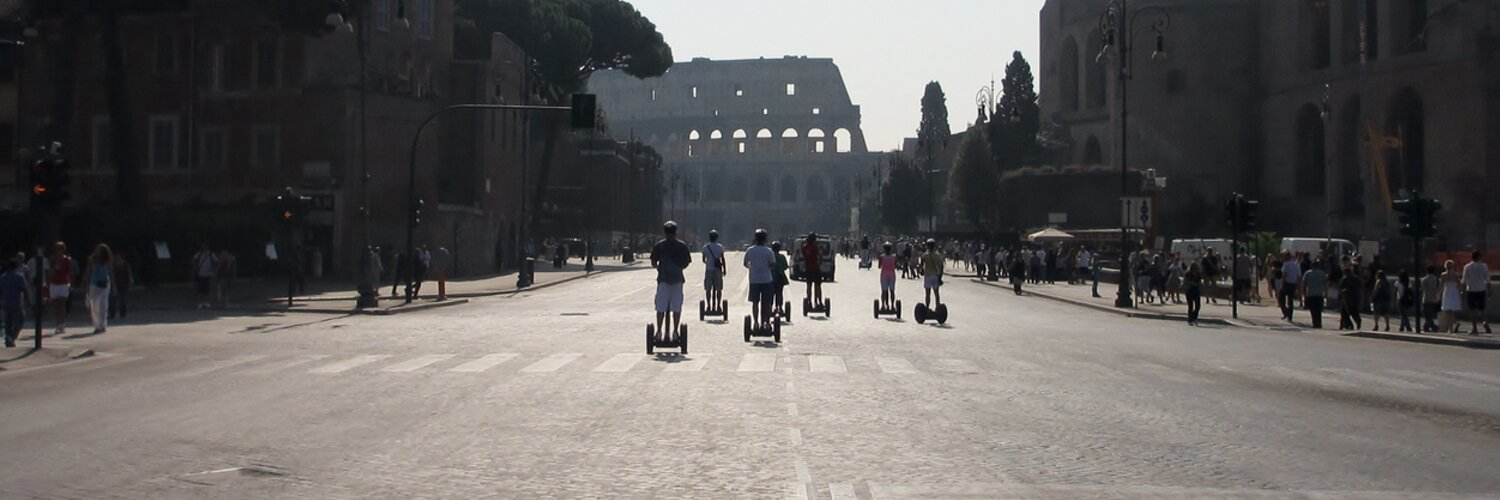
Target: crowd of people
(103, 279)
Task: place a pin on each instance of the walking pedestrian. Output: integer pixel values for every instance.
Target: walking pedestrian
(1351, 288)
(1017, 271)
(124, 278)
(1432, 299)
(1453, 302)
(1380, 300)
(1291, 275)
(60, 271)
(442, 264)
(205, 268)
(1476, 289)
(1193, 289)
(224, 276)
(1314, 288)
(100, 267)
(1405, 300)
(13, 299)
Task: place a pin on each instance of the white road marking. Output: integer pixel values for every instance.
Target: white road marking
(758, 363)
(841, 491)
(220, 365)
(1372, 378)
(631, 293)
(826, 364)
(693, 363)
(791, 409)
(619, 363)
(551, 363)
(894, 365)
(270, 368)
(796, 436)
(802, 475)
(484, 363)
(796, 491)
(347, 364)
(416, 364)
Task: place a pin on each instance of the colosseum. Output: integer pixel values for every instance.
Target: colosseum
(746, 144)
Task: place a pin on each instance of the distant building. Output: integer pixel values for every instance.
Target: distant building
(1239, 106)
(756, 143)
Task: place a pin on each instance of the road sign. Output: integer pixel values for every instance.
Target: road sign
(1135, 212)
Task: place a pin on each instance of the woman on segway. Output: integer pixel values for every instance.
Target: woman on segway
(779, 279)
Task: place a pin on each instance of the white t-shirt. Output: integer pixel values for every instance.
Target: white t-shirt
(1084, 258)
(1476, 277)
(712, 252)
(759, 259)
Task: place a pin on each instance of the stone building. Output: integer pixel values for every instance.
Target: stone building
(1239, 106)
(756, 143)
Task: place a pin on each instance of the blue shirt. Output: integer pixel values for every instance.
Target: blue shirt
(12, 287)
(759, 259)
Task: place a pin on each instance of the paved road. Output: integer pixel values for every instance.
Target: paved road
(550, 394)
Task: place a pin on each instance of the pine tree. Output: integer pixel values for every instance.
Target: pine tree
(974, 183)
(1017, 118)
(933, 133)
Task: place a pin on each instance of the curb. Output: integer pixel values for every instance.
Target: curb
(1427, 339)
(489, 293)
(1125, 313)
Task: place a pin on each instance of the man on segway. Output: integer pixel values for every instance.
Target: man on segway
(759, 259)
(670, 256)
(713, 274)
(864, 251)
(812, 269)
(932, 273)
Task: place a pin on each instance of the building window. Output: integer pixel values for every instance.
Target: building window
(165, 54)
(695, 94)
(212, 151)
(791, 89)
(383, 15)
(425, 14)
(267, 58)
(817, 111)
(653, 94)
(164, 143)
(101, 143)
(266, 142)
(739, 91)
(218, 68)
(765, 111)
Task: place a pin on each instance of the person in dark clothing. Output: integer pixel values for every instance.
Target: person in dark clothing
(669, 257)
(1192, 287)
(1017, 271)
(1351, 289)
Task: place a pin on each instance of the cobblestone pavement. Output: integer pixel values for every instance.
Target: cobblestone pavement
(548, 393)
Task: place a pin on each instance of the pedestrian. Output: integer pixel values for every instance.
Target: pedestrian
(1405, 300)
(1453, 302)
(1432, 299)
(100, 266)
(1476, 288)
(402, 272)
(1094, 275)
(442, 264)
(13, 298)
(124, 278)
(670, 257)
(1210, 263)
(423, 263)
(1291, 276)
(1314, 288)
(224, 277)
(779, 279)
(373, 268)
(205, 267)
(1193, 289)
(60, 271)
(1017, 271)
(1084, 261)
(1049, 259)
(1380, 300)
(1142, 272)
(1351, 288)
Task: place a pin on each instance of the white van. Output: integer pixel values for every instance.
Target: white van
(1193, 249)
(1311, 246)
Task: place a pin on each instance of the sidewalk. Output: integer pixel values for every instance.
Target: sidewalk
(1251, 315)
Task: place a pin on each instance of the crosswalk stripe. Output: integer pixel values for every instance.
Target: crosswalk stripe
(484, 363)
(220, 365)
(1489, 379)
(796, 491)
(347, 364)
(692, 363)
(826, 364)
(758, 363)
(1376, 379)
(270, 368)
(894, 365)
(841, 491)
(619, 363)
(416, 364)
(956, 366)
(1435, 379)
(551, 363)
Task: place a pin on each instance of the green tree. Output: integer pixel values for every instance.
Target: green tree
(974, 183)
(903, 195)
(1017, 119)
(933, 132)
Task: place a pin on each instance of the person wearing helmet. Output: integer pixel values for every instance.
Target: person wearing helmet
(759, 259)
(778, 273)
(713, 274)
(669, 257)
(812, 269)
(864, 250)
(888, 274)
(932, 272)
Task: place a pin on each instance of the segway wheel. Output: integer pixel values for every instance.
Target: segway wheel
(942, 313)
(724, 308)
(650, 339)
(898, 310)
(747, 328)
(920, 312)
(827, 308)
(776, 330)
(682, 339)
(877, 309)
(701, 311)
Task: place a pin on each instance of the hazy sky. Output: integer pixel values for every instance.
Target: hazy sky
(887, 49)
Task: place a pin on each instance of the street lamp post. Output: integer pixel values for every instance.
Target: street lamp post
(1326, 112)
(1118, 25)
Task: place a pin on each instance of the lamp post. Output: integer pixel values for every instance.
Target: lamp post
(1326, 112)
(1118, 25)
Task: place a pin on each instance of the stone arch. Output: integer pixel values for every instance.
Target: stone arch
(789, 141)
(1351, 183)
(1093, 153)
(736, 188)
(789, 189)
(1094, 74)
(816, 139)
(790, 133)
(716, 135)
(764, 133)
(762, 189)
(1067, 75)
(740, 133)
(1407, 120)
(1311, 175)
(843, 141)
(694, 135)
(816, 190)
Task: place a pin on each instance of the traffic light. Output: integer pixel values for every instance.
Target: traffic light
(585, 110)
(416, 211)
(1417, 216)
(41, 185)
(49, 183)
(1240, 213)
(1248, 209)
(1408, 216)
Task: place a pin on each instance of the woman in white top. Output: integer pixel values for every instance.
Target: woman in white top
(1452, 298)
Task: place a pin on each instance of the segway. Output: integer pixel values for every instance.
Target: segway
(865, 263)
(939, 314)
(821, 308)
(679, 342)
(720, 310)
(888, 311)
(754, 329)
(783, 311)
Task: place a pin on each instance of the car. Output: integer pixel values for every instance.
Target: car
(826, 263)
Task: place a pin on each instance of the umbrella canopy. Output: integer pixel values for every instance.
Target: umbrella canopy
(1049, 234)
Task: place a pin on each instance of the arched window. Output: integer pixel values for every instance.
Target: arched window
(843, 141)
(1093, 74)
(693, 136)
(817, 136)
(762, 189)
(790, 133)
(715, 135)
(740, 134)
(764, 133)
(789, 141)
(1407, 120)
(815, 189)
(1093, 154)
(1311, 175)
(1067, 75)
(789, 189)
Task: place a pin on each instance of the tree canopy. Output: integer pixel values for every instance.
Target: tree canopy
(1017, 119)
(933, 132)
(974, 183)
(903, 196)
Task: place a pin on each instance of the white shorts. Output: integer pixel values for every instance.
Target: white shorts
(58, 291)
(669, 297)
